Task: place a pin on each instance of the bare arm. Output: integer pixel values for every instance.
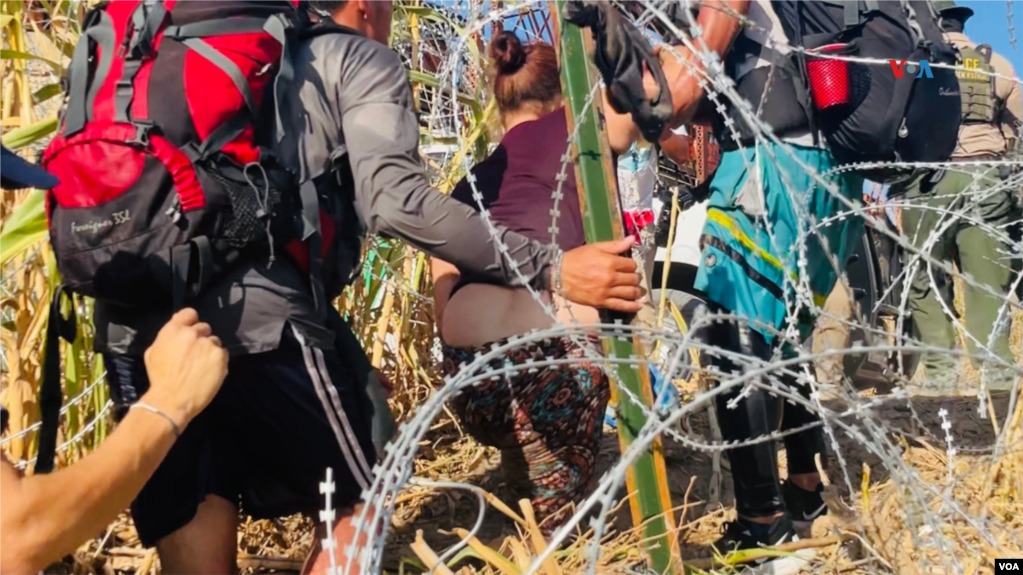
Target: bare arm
(621, 130)
(1009, 92)
(445, 276)
(394, 197)
(403, 204)
(676, 148)
(719, 20)
(45, 516)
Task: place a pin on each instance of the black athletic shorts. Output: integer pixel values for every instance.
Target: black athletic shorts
(265, 442)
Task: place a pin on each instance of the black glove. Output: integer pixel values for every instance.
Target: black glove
(620, 52)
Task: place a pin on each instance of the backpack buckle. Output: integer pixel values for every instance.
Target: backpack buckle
(141, 137)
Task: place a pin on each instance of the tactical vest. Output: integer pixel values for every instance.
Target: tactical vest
(977, 85)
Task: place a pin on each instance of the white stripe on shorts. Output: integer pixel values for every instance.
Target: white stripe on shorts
(328, 408)
(346, 425)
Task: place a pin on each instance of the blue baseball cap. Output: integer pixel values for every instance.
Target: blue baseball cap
(16, 173)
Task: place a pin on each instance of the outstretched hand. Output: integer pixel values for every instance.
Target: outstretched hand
(682, 78)
(186, 366)
(625, 60)
(598, 275)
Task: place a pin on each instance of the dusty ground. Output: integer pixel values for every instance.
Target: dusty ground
(983, 486)
(278, 546)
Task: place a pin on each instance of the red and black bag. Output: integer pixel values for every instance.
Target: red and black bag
(163, 181)
(162, 154)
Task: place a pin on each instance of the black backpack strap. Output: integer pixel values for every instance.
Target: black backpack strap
(853, 10)
(325, 27)
(335, 202)
(290, 35)
(98, 29)
(51, 395)
(745, 45)
(791, 12)
(285, 31)
(312, 235)
(192, 266)
(146, 20)
(754, 86)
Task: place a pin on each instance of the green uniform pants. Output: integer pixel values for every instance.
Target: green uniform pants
(930, 207)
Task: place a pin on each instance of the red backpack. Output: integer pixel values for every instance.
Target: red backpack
(166, 180)
(163, 181)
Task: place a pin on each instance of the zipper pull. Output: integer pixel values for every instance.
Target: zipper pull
(903, 130)
(174, 212)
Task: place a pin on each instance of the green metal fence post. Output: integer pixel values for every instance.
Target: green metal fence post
(650, 499)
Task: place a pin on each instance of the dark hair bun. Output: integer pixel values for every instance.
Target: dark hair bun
(507, 52)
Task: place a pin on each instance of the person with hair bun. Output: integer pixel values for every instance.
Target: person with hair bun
(547, 421)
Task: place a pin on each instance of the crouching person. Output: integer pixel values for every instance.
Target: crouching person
(546, 421)
(349, 125)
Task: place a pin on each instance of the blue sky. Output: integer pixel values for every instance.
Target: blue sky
(990, 24)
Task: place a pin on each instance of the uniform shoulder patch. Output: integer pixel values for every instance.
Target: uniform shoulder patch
(985, 52)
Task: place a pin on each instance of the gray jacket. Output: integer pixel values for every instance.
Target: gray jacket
(347, 89)
(352, 91)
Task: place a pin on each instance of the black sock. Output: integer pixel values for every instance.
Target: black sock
(760, 530)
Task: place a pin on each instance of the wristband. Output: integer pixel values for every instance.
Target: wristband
(151, 409)
(556, 272)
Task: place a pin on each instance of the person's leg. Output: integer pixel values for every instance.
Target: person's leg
(187, 507)
(832, 332)
(983, 260)
(760, 498)
(1016, 236)
(319, 563)
(802, 448)
(920, 219)
(802, 488)
(743, 276)
(546, 422)
(486, 411)
(208, 544)
(754, 243)
(303, 404)
(754, 468)
(564, 410)
(831, 246)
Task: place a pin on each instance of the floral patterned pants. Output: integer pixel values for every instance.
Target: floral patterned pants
(547, 421)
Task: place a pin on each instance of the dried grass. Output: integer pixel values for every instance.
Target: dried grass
(425, 519)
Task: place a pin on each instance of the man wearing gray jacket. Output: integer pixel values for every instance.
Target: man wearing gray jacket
(295, 384)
